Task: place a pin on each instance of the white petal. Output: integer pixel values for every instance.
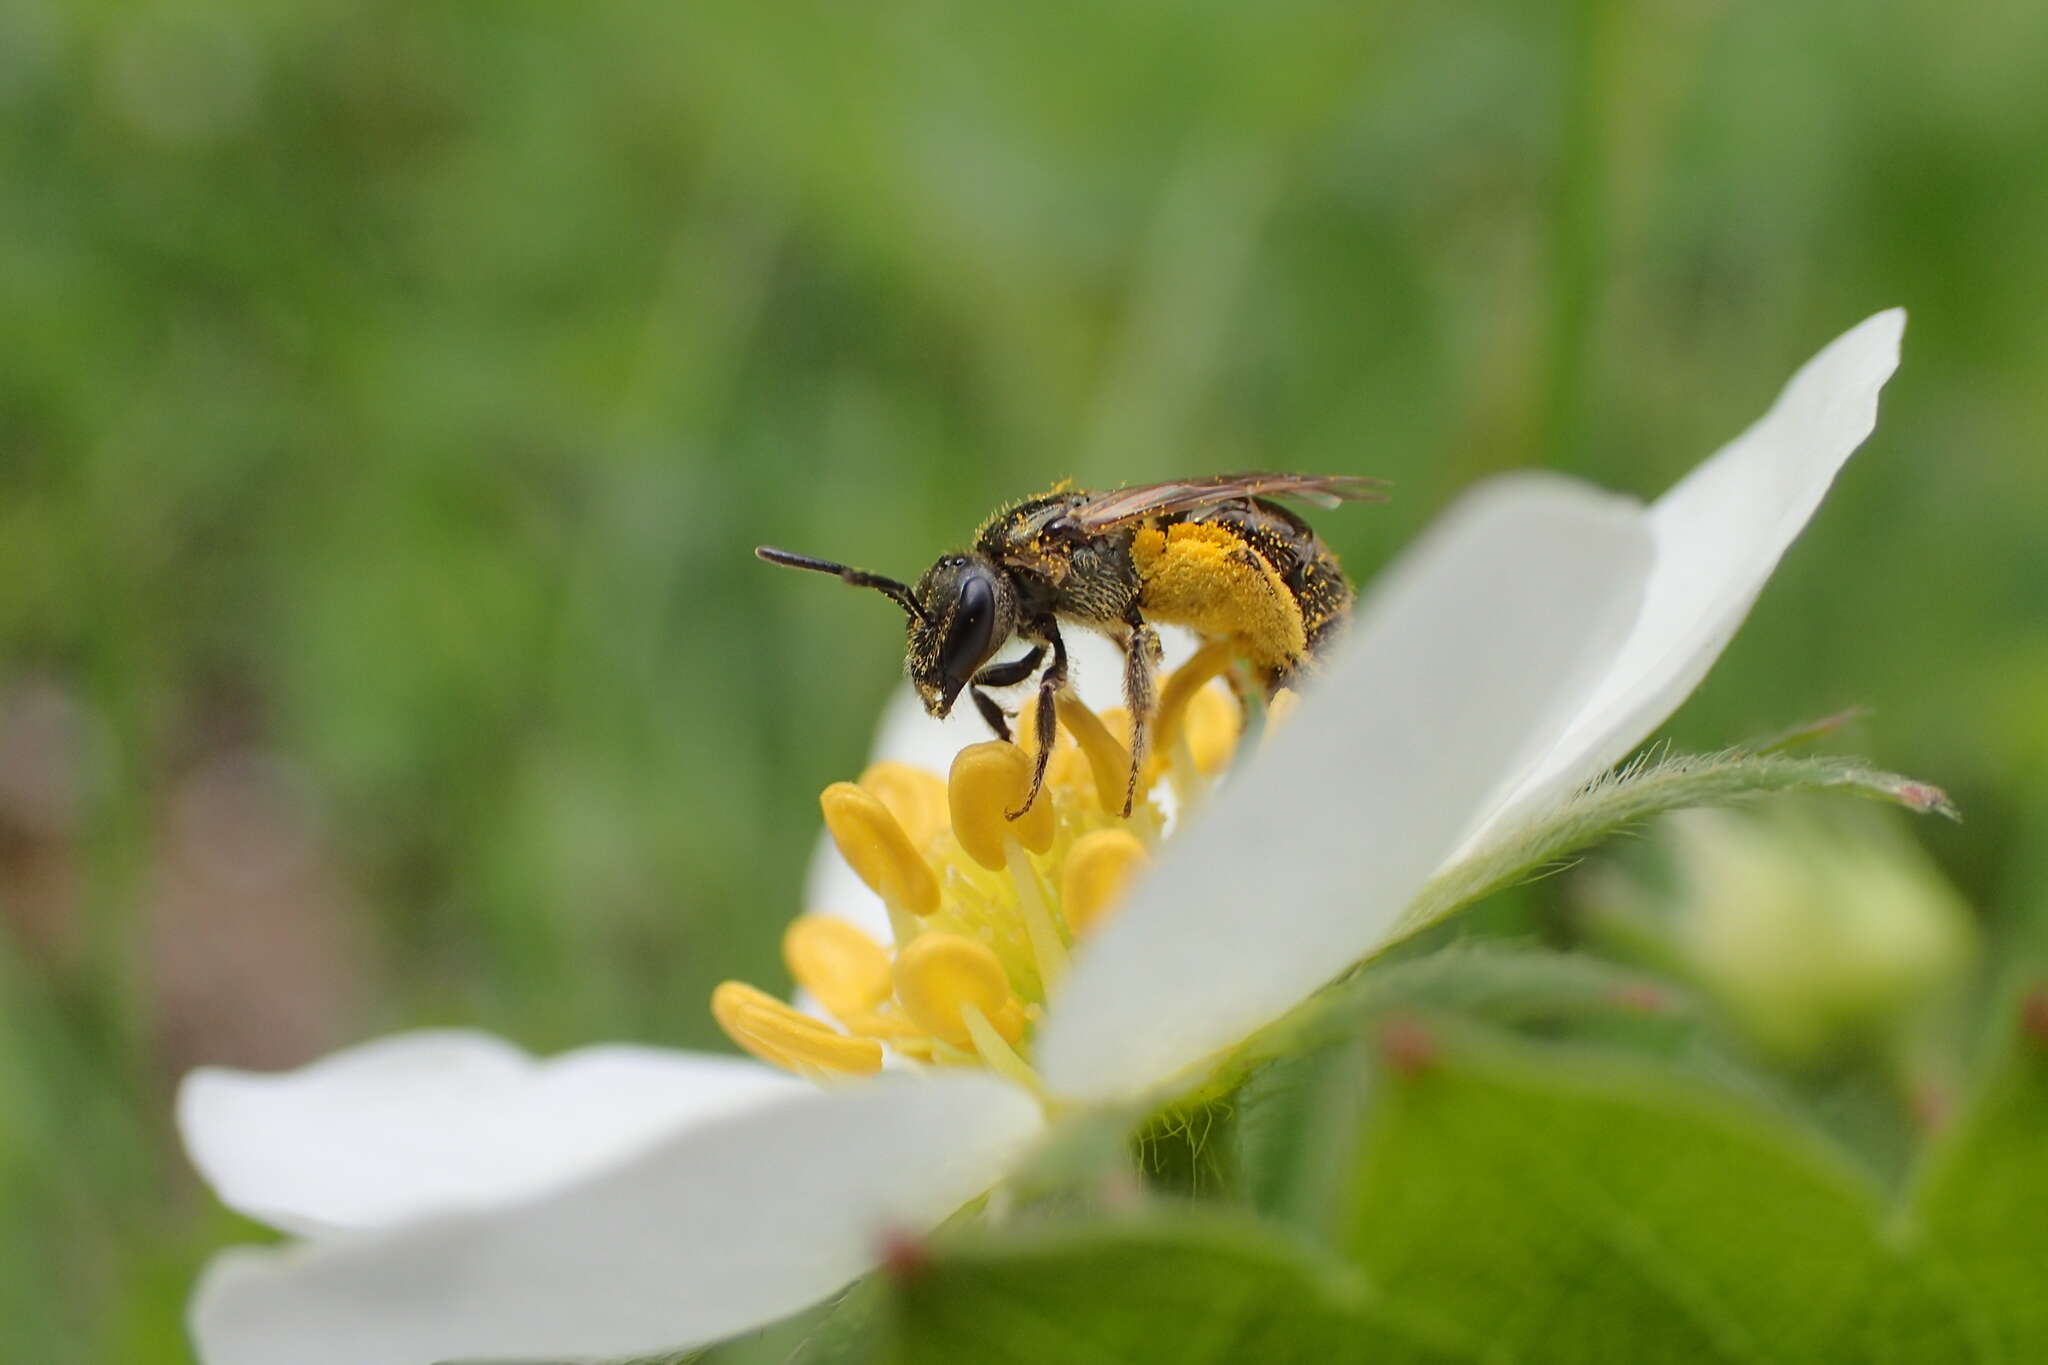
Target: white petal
(427, 1122)
(1467, 653)
(907, 735)
(1720, 532)
(721, 1228)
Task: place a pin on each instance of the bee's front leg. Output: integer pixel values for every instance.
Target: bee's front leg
(1047, 725)
(1003, 675)
(1011, 673)
(1141, 698)
(991, 713)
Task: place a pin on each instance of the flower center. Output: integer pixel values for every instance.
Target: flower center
(984, 910)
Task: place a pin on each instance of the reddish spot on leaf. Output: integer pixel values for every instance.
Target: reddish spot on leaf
(905, 1256)
(1933, 1106)
(1641, 997)
(1407, 1046)
(2034, 1014)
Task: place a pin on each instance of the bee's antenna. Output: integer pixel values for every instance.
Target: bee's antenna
(898, 593)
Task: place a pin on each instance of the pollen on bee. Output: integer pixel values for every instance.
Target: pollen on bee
(1204, 576)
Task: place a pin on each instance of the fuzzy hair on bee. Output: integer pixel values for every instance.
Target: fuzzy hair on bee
(1218, 556)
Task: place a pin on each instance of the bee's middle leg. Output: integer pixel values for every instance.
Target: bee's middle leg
(1047, 721)
(1141, 698)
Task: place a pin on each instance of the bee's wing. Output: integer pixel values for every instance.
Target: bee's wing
(1104, 511)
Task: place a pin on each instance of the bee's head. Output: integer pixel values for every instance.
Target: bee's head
(967, 609)
(961, 612)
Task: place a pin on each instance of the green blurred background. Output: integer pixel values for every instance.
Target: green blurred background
(390, 395)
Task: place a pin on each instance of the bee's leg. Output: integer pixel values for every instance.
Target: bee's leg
(1141, 698)
(1047, 726)
(991, 713)
(1002, 675)
(1011, 673)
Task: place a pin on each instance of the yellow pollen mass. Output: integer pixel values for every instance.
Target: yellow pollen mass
(876, 847)
(938, 975)
(1203, 577)
(781, 1036)
(988, 781)
(835, 961)
(1098, 870)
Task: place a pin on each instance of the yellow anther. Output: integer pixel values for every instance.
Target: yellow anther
(1099, 868)
(1181, 687)
(915, 797)
(1211, 724)
(783, 1037)
(877, 849)
(937, 974)
(835, 961)
(1108, 761)
(990, 780)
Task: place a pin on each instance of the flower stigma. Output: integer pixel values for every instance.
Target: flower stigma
(985, 910)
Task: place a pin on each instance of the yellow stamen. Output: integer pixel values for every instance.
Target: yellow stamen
(992, 1043)
(880, 853)
(988, 781)
(892, 1029)
(1280, 708)
(937, 974)
(835, 961)
(1187, 682)
(781, 1036)
(915, 797)
(1211, 724)
(1099, 868)
(1109, 762)
(1046, 944)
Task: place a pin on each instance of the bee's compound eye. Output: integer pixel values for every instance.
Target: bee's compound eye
(970, 635)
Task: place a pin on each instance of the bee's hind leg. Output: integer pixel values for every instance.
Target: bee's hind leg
(1047, 720)
(1141, 699)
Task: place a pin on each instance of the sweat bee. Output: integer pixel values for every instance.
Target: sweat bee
(1215, 555)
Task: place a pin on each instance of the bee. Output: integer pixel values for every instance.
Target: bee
(1217, 556)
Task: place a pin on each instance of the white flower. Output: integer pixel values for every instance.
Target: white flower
(458, 1200)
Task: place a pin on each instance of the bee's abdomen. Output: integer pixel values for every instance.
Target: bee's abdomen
(1251, 572)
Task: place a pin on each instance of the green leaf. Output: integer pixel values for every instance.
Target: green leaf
(1181, 1289)
(841, 1331)
(1191, 1150)
(1509, 984)
(1542, 1204)
(1302, 1104)
(1982, 1203)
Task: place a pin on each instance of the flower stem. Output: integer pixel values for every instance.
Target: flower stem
(1192, 1150)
